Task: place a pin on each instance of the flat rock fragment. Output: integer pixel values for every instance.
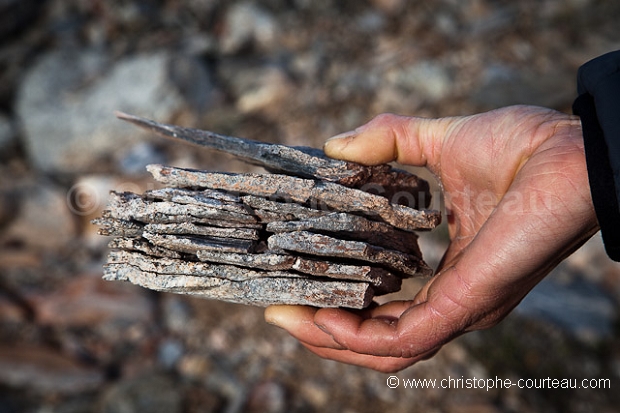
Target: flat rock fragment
(141, 245)
(265, 261)
(286, 209)
(302, 161)
(190, 228)
(290, 188)
(313, 231)
(175, 266)
(303, 191)
(132, 207)
(322, 245)
(236, 284)
(383, 281)
(353, 227)
(118, 227)
(193, 244)
(188, 196)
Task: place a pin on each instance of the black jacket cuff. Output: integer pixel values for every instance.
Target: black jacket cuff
(598, 106)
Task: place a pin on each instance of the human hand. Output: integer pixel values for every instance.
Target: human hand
(518, 203)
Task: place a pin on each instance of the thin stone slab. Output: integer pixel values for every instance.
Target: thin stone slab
(142, 245)
(203, 198)
(118, 227)
(255, 291)
(208, 199)
(283, 210)
(235, 284)
(304, 242)
(188, 196)
(302, 161)
(193, 244)
(124, 228)
(264, 261)
(353, 227)
(302, 191)
(289, 188)
(215, 222)
(163, 266)
(190, 228)
(319, 231)
(383, 281)
(132, 207)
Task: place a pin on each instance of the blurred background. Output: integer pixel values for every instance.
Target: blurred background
(290, 71)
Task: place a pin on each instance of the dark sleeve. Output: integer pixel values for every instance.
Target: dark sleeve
(598, 106)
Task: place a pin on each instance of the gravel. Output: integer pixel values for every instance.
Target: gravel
(292, 72)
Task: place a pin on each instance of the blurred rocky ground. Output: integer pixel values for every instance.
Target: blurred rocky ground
(291, 71)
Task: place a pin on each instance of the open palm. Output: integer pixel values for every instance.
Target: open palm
(518, 203)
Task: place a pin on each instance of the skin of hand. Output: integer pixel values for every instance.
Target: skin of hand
(518, 202)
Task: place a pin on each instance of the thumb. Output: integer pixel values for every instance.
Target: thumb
(387, 138)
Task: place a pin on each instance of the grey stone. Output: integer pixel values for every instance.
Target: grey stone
(246, 23)
(245, 286)
(175, 314)
(579, 307)
(405, 265)
(44, 219)
(187, 228)
(7, 132)
(268, 397)
(429, 79)
(132, 207)
(66, 100)
(398, 186)
(366, 253)
(503, 86)
(192, 244)
(141, 245)
(169, 353)
(300, 190)
(137, 157)
(262, 88)
(153, 393)
(353, 227)
(575, 295)
(382, 281)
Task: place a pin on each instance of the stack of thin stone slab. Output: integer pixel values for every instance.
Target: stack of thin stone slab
(313, 230)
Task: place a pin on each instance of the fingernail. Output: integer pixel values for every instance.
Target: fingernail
(349, 134)
(322, 328)
(276, 325)
(272, 322)
(285, 316)
(273, 316)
